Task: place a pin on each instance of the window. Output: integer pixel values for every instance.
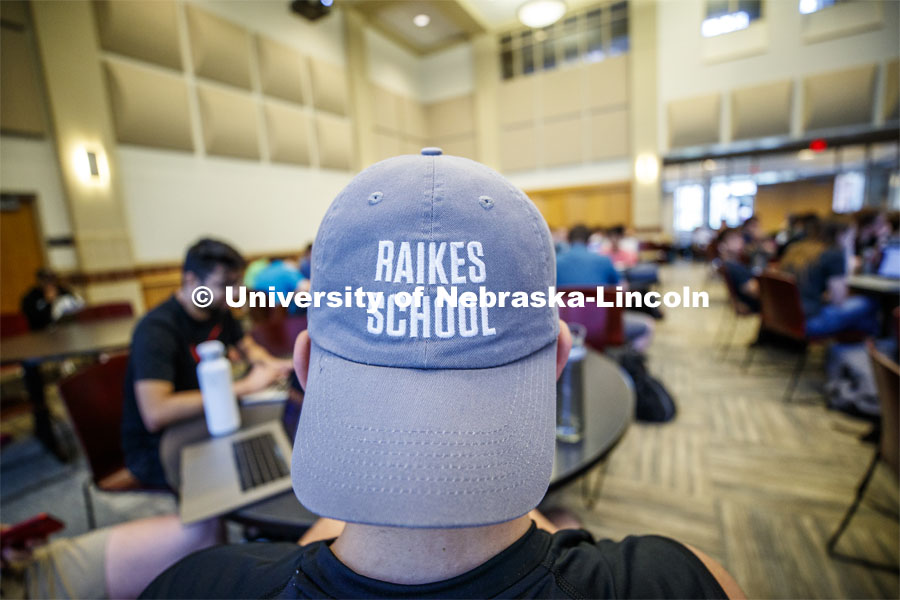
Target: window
(725, 16)
(618, 29)
(811, 6)
(688, 209)
(731, 201)
(590, 35)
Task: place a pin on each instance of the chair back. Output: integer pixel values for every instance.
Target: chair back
(94, 397)
(12, 324)
(109, 310)
(604, 324)
(781, 309)
(277, 336)
(887, 381)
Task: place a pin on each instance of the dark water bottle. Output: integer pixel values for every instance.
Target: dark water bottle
(570, 390)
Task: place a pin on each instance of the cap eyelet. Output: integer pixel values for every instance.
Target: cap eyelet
(486, 202)
(375, 197)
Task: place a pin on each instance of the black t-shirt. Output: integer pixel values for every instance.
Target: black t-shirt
(163, 347)
(812, 281)
(37, 310)
(567, 564)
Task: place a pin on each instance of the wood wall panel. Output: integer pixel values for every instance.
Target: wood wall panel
(775, 202)
(595, 206)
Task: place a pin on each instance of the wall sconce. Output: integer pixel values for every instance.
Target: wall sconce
(91, 166)
(646, 168)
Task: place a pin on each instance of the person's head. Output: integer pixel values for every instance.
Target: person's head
(893, 221)
(213, 264)
(750, 228)
(835, 232)
(580, 234)
(46, 278)
(429, 415)
(869, 221)
(810, 225)
(730, 243)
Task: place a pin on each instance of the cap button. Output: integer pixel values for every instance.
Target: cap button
(432, 151)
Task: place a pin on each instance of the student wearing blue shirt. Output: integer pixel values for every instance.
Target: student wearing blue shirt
(578, 266)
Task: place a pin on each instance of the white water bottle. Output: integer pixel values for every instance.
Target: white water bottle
(219, 402)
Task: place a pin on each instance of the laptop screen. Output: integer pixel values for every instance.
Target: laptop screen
(890, 262)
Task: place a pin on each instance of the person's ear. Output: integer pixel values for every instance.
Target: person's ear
(563, 346)
(301, 357)
(190, 280)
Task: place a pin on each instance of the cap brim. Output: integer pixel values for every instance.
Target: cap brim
(425, 448)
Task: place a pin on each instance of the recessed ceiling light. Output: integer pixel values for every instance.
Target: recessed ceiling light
(422, 20)
(541, 13)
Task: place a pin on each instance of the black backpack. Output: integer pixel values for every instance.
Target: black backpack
(653, 403)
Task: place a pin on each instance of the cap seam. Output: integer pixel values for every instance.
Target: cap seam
(430, 240)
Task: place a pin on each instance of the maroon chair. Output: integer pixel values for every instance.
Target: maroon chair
(109, 310)
(604, 324)
(887, 382)
(93, 398)
(12, 324)
(781, 312)
(277, 336)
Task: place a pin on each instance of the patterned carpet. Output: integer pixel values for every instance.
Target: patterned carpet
(755, 482)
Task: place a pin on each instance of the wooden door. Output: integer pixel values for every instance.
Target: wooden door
(21, 254)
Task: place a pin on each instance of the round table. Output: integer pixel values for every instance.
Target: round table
(608, 410)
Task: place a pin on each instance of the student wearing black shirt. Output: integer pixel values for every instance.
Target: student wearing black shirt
(821, 268)
(37, 304)
(161, 384)
(426, 444)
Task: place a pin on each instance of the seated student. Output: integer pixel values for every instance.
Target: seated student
(113, 562)
(161, 386)
(821, 267)
(577, 266)
(623, 250)
(281, 276)
(48, 301)
(758, 249)
(731, 248)
(433, 449)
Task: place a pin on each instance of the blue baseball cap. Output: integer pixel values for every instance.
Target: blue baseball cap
(422, 414)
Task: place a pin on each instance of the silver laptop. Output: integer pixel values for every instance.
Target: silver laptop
(222, 474)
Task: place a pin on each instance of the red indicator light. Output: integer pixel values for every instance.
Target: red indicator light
(818, 145)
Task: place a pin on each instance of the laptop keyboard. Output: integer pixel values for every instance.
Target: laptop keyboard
(259, 461)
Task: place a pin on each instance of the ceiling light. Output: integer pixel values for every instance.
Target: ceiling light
(421, 20)
(541, 13)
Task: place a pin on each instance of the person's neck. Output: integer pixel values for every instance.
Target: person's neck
(416, 556)
(195, 312)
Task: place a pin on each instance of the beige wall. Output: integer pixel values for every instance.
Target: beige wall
(775, 202)
(594, 206)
